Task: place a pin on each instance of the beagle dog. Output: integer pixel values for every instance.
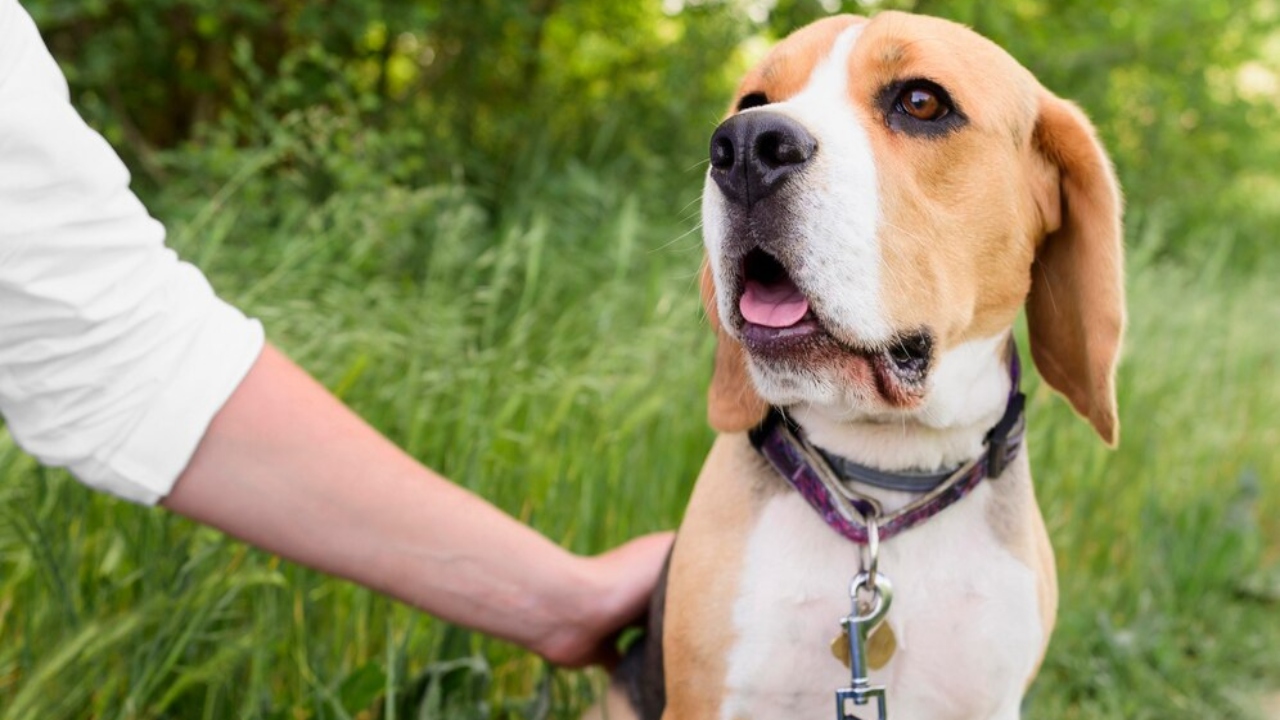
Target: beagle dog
(884, 197)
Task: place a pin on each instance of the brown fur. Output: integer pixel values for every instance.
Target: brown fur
(1076, 308)
(708, 556)
(1015, 517)
(785, 70)
(1019, 207)
(732, 402)
(956, 254)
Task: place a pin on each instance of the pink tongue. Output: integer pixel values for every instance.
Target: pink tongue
(775, 306)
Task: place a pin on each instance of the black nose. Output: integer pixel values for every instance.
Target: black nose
(753, 154)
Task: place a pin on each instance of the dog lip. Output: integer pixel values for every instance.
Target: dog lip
(760, 335)
(806, 338)
(809, 342)
(898, 367)
(898, 387)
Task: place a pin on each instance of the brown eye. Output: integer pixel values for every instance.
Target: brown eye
(922, 104)
(919, 107)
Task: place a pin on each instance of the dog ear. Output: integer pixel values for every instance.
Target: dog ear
(732, 402)
(1075, 309)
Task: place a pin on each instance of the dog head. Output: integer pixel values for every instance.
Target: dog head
(887, 193)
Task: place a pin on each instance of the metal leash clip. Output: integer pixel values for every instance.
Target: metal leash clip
(858, 626)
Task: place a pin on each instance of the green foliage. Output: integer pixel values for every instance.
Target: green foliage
(471, 90)
(495, 354)
(465, 90)
(556, 363)
(476, 224)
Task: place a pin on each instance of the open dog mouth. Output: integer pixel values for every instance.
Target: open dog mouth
(773, 307)
(778, 322)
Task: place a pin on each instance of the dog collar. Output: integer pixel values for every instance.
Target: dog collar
(823, 483)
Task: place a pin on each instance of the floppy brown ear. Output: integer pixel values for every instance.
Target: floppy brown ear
(732, 402)
(1075, 310)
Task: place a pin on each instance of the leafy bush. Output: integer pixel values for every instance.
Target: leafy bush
(434, 91)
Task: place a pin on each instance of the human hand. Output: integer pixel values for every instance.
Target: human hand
(612, 592)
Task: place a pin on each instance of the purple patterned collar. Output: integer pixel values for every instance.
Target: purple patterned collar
(809, 471)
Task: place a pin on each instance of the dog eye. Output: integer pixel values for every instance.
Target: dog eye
(920, 108)
(751, 100)
(923, 103)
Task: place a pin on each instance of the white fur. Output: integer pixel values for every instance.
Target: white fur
(966, 611)
(964, 614)
(968, 389)
(836, 208)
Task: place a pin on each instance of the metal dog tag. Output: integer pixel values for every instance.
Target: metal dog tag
(857, 628)
(881, 645)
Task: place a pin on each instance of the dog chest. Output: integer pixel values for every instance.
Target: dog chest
(965, 614)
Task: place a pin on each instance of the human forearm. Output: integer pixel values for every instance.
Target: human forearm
(287, 467)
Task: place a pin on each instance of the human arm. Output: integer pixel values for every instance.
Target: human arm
(288, 468)
(118, 362)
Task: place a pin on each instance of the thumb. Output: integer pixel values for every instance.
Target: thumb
(633, 570)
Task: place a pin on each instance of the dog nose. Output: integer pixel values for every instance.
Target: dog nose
(753, 154)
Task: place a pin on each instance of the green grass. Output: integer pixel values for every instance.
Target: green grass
(552, 357)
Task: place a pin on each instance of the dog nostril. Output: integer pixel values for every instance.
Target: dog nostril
(753, 154)
(721, 152)
(776, 149)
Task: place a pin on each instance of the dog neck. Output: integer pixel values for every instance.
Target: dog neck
(969, 390)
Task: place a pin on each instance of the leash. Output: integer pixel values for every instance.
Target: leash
(823, 481)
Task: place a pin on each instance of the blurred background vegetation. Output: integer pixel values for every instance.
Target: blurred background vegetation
(476, 222)
(1185, 93)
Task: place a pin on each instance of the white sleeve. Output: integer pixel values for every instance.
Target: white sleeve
(114, 355)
